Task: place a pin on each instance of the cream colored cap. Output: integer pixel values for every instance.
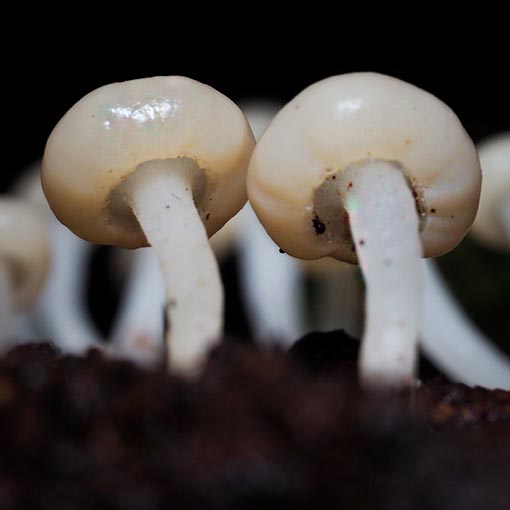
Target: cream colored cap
(344, 120)
(104, 137)
(489, 226)
(25, 247)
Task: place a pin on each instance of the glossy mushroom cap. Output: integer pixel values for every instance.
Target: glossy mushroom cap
(495, 160)
(24, 246)
(112, 131)
(340, 122)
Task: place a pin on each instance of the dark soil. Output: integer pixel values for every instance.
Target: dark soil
(259, 430)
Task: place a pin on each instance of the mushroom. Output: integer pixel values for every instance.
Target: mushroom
(264, 270)
(24, 259)
(138, 326)
(157, 161)
(473, 359)
(59, 312)
(451, 341)
(492, 223)
(364, 167)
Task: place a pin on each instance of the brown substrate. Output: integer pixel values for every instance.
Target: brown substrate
(259, 430)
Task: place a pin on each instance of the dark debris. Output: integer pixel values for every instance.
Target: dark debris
(258, 430)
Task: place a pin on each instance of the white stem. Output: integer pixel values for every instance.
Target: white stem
(454, 343)
(60, 313)
(270, 282)
(162, 201)
(341, 300)
(6, 311)
(138, 329)
(384, 226)
(504, 219)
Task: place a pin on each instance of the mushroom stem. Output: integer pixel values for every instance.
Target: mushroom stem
(6, 311)
(270, 283)
(504, 218)
(454, 343)
(60, 312)
(340, 301)
(162, 200)
(138, 329)
(384, 226)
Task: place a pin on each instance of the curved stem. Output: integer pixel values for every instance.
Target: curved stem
(270, 281)
(139, 325)
(504, 219)
(60, 312)
(6, 311)
(384, 226)
(162, 201)
(454, 343)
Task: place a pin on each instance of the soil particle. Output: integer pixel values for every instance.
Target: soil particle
(319, 227)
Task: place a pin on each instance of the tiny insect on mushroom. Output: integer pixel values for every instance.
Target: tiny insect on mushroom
(365, 167)
(492, 222)
(24, 259)
(159, 161)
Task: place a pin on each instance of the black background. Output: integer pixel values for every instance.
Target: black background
(43, 81)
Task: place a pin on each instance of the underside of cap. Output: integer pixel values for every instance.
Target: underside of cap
(342, 121)
(113, 131)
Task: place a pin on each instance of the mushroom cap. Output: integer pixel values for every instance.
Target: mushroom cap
(343, 120)
(495, 160)
(25, 246)
(104, 138)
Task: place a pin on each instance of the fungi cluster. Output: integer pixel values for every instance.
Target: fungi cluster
(362, 168)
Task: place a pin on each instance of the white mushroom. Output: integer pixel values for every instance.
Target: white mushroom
(270, 280)
(158, 161)
(24, 259)
(366, 167)
(266, 272)
(472, 358)
(60, 313)
(492, 223)
(453, 343)
(138, 328)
